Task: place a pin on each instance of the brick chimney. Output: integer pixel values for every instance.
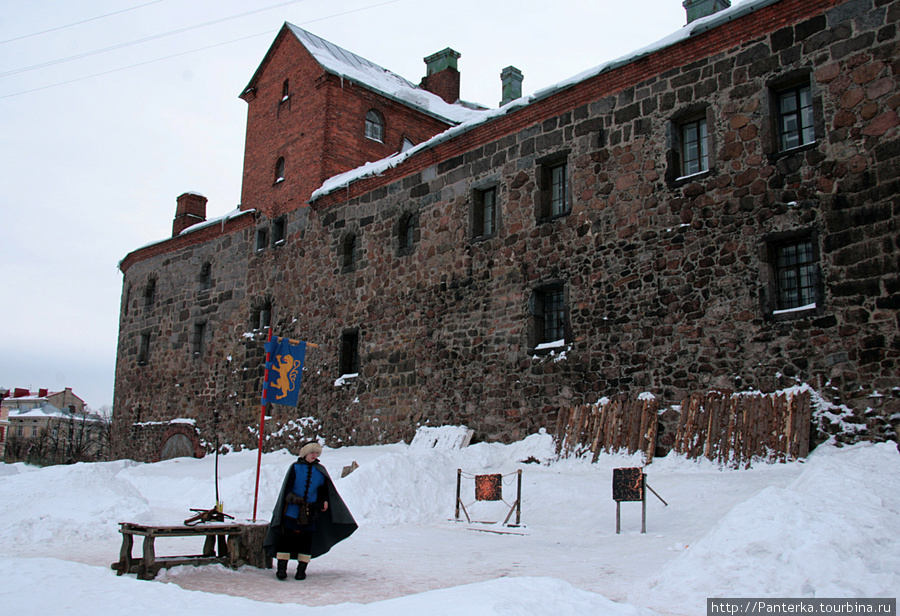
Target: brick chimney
(191, 209)
(703, 8)
(511, 82)
(441, 75)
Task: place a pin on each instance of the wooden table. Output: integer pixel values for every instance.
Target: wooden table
(225, 535)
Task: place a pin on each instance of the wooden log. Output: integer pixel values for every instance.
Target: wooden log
(250, 546)
(804, 418)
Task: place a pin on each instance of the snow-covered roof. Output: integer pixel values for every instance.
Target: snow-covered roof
(49, 411)
(692, 29)
(36, 412)
(347, 65)
(218, 220)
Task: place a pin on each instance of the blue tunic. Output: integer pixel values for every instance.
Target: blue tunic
(307, 481)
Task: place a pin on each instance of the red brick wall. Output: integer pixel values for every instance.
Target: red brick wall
(293, 129)
(347, 146)
(319, 129)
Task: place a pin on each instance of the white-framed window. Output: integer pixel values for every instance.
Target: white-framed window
(374, 125)
(795, 117)
(484, 213)
(694, 147)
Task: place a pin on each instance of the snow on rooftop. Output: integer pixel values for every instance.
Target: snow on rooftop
(214, 221)
(348, 65)
(692, 29)
(218, 220)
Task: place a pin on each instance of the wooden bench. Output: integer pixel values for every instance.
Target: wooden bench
(224, 536)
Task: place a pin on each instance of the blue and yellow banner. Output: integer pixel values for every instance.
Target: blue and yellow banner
(284, 371)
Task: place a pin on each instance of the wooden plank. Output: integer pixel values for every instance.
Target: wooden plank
(804, 417)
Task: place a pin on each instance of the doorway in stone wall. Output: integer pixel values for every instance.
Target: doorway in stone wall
(177, 446)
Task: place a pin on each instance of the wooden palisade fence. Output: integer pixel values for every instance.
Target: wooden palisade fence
(617, 425)
(726, 427)
(737, 428)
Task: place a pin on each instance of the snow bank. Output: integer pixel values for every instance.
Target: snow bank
(823, 528)
(78, 502)
(831, 533)
(417, 486)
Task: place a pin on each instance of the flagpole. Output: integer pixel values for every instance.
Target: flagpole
(262, 424)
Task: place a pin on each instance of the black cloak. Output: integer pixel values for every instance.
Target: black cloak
(332, 526)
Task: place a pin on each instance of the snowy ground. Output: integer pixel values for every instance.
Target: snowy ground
(823, 528)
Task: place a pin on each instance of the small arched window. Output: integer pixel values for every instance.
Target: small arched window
(406, 233)
(150, 293)
(374, 125)
(285, 90)
(261, 315)
(348, 251)
(205, 277)
(279, 170)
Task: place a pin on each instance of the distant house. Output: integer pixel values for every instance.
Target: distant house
(4, 422)
(50, 427)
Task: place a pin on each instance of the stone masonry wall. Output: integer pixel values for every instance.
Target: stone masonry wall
(667, 280)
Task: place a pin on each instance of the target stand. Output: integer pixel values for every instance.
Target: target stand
(490, 488)
(630, 484)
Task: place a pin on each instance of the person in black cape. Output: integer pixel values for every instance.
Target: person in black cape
(309, 517)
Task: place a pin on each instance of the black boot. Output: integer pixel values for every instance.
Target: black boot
(301, 570)
(281, 574)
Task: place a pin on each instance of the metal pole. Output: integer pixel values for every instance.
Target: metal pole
(458, 480)
(643, 505)
(618, 516)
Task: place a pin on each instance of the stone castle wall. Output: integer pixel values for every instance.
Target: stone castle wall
(667, 282)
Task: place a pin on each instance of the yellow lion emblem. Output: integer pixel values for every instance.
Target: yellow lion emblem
(287, 368)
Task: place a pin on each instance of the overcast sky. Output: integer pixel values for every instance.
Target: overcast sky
(95, 147)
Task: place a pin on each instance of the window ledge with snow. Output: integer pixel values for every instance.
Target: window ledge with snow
(797, 309)
(684, 179)
(556, 349)
(556, 344)
(342, 380)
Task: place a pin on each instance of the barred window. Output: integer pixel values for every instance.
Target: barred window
(548, 309)
(795, 275)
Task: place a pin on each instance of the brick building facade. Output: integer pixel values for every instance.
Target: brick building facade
(719, 211)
